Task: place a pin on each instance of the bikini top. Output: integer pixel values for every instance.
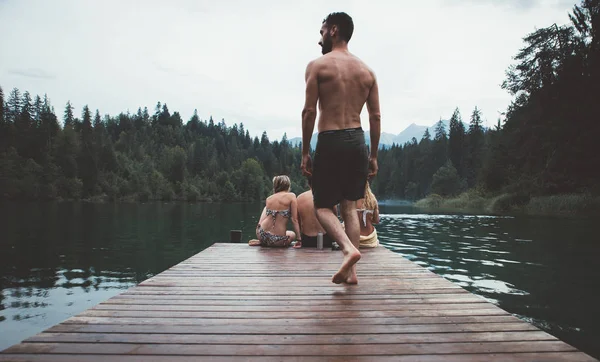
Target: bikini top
(364, 215)
(284, 213)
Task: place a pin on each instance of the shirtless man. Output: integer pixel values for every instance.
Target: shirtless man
(342, 84)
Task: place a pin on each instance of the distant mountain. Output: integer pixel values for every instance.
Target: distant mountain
(297, 140)
(409, 132)
(388, 139)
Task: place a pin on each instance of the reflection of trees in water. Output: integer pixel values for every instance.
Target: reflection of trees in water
(85, 247)
(36, 278)
(2, 301)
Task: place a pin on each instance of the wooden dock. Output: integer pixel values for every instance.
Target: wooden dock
(235, 302)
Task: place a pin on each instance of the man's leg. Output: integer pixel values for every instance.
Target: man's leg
(332, 226)
(350, 217)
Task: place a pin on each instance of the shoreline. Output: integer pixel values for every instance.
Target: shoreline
(514, 203)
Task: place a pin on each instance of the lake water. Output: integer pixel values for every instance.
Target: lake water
(59, 259)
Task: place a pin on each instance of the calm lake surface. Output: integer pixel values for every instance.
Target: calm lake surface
(59, 259)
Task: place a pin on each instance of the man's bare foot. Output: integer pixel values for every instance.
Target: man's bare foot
(298, 245)
(352, 277)
(344, 273)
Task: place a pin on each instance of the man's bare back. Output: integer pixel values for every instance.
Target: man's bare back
(344, 84)
(309, 225)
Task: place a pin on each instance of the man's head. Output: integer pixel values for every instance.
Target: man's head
(337, 27)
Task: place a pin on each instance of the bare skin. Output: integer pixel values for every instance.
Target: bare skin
(366, 230)
(279, 201)
(309, 225)
(341, 84)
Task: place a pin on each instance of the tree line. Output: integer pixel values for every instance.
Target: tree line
(139, 156)
(545, 144)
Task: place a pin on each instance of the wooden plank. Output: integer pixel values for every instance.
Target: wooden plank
(295, 308)
(226, 326)
(347, 303)
(292, 350)
(290, 339)
(487, 357)
(337, 297)
(333, 314)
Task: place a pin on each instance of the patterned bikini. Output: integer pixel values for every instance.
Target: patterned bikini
(269, 239)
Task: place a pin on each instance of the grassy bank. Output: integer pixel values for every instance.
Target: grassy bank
(475, 201)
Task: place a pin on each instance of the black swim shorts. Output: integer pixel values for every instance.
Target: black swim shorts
(340, 167)
(311, 241)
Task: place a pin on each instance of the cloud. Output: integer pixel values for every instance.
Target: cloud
(32, 73)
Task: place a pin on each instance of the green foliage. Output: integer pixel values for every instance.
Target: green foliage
(457, 150)
(564, 204)
(134, 157)
(446, 181)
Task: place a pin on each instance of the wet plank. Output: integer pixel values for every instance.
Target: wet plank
(234, 302)
(487, 357)
(370, 349)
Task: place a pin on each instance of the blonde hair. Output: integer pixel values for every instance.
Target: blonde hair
(370, 202)
(281, 183)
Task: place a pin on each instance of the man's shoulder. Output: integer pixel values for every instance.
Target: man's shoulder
(317, 62)
(305, 195)
(363, 64)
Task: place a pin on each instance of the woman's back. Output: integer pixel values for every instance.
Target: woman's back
(368, 212)
(279, 209)
(366, 217)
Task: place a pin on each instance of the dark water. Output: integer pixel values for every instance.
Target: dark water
(59, 259)
(542, 269)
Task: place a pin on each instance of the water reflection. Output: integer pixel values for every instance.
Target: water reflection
(541, 269)
(59, 259)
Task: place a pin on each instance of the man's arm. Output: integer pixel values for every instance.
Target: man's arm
(374, 117)
(309, 112)
(374, 125)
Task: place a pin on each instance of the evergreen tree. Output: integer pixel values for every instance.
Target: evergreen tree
(69, 118)
(13, 106)
(1, 106)
(440, 145)
(475, 141)
(426, 136)
(456, 143)
(4, 125)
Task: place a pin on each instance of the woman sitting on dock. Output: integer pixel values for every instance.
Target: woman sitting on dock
(280, 208)
(368, 214)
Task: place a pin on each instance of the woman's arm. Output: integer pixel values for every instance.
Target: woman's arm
(375, 218)
(262, 216)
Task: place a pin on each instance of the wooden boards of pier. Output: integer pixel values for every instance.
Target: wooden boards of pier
(235, 302)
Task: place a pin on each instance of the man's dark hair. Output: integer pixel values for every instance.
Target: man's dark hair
(344, 24)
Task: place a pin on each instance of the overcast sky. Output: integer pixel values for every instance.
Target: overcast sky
(244, 60)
